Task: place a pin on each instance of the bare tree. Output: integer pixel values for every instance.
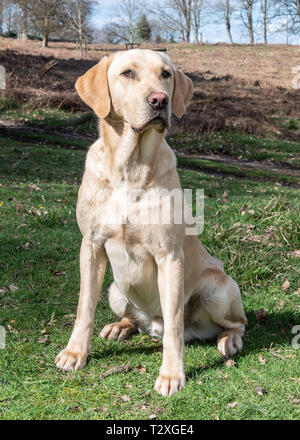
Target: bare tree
(76, 19)
(109, 33)
(24, 6)
(247, 9)
(47, 17)
(226, 9)
(264, 7)
(292, 12)
(9, 15)
(200, 17)
(227, 16)
(176, 16)
(1, 16)
(289, 13)
(129, 11)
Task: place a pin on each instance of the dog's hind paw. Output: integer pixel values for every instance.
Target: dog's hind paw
(230, 342)
(119, 330)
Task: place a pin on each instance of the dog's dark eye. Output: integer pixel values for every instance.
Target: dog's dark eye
(165, 74)
(128, 74)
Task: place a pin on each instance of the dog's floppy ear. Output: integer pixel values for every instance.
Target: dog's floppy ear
(92, 87)
(182, 94)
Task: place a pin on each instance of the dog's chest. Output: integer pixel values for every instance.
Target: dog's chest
(135, 274)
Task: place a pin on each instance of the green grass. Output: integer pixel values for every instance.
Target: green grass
(50, 118)
(234, 170)
(253, 228)
(240, 146)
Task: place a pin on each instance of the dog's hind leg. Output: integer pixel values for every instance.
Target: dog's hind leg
(121, 307)
(220, 297)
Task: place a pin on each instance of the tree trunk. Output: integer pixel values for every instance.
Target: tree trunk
(227, 21)
(45, 40)
(250, 21)
(187, 10)
(196, 30)
(265, 21)
(287, 26)
(24, 23)
(45, 32)
(1, 17)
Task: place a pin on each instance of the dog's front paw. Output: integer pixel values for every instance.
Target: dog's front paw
(68, 360)
(167, 384)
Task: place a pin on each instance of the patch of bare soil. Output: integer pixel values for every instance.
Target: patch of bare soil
(230, 103)
(243, 88)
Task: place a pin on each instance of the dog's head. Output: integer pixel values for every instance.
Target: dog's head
(141, 87)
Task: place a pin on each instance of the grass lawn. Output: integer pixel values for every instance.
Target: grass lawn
(252, 225)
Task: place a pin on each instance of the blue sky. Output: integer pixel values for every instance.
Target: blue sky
(107, 10)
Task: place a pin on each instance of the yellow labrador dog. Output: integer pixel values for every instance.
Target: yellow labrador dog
(165, 282)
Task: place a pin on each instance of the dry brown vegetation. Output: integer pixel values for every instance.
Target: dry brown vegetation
(248, 88)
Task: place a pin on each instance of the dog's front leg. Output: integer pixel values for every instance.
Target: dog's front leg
(92, 270)
(171, 288)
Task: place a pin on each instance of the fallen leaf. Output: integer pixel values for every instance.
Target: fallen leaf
(295, 401)
(12, 330)
(147, 393)
(76, 408)
(261, 315)
(261, 359)
(286, 284)
(13, 288)
(260, 391)
(153, 416)
(224, 199)
(42, 340)
(141, 369)
(34, 186)
(232, 404)
(125, 398)
(294, 254)
(297, 292)
(215, 416)
(230, 363)
(2, 290)
(244, 209)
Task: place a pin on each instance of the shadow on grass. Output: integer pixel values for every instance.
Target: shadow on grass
(276, 330)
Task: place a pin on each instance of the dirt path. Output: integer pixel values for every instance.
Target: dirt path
(264, 166)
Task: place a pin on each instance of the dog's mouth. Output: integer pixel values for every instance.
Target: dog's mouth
(159, 122)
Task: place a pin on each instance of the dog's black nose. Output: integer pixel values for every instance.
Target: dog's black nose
(158, 100)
